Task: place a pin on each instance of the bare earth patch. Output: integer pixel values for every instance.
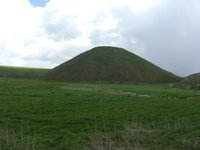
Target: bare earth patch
(114, 92)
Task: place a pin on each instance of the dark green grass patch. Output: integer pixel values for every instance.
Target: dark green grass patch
(65, 115)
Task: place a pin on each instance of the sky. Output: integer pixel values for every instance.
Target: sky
(46, 33)
(38, 3)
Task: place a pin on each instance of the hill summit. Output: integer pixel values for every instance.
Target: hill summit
(109, 64)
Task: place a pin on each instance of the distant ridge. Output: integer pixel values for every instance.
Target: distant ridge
(22, 72)
(112, 65)
(190, 82)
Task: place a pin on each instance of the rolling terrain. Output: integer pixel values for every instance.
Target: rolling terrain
(110, 65)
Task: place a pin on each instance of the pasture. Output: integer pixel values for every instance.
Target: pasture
(37, 114)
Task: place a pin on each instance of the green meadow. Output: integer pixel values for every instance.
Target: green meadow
(42, 115)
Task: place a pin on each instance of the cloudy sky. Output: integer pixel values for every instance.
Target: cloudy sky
(45, 33)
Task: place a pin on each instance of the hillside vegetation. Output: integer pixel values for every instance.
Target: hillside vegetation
(110, 64)
(22, 72)
(190, 82)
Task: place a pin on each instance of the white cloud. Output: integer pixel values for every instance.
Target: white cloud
(165, 32)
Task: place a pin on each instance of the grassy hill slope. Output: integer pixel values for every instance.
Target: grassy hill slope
(110, 64)
(190, 82)
(22, 72)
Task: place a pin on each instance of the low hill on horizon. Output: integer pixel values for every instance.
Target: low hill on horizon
(22, 72)
(190, 82)
(107, 64)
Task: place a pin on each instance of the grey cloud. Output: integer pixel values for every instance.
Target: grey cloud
(98, 37)
(169, 34)
(63, 28)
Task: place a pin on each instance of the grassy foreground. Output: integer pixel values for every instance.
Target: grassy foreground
(43, 115)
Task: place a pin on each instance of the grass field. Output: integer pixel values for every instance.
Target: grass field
(22, 72)
(36, 114)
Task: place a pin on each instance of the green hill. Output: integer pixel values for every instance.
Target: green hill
(22, 72)
(190, 82)
(110, 64)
